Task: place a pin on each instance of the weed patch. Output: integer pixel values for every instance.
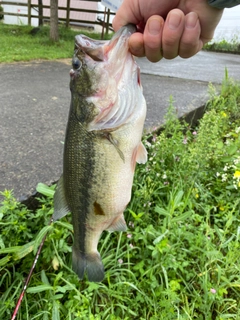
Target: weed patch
(226, 46)
(180, 256)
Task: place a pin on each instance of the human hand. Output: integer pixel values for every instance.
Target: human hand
(168, 28)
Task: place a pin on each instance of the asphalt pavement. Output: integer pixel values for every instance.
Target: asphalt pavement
(35, 98)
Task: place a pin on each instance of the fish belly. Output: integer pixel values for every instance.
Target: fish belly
(98, 177)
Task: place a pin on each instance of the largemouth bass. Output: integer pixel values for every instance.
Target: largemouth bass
(102, 145)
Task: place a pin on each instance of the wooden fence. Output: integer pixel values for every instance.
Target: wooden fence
(67, 21)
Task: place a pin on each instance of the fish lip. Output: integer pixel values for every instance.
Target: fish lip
(72, 73)
(122, 34)
(89, 47)
(126, 30)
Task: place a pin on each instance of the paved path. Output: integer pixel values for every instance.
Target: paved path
(34, 103)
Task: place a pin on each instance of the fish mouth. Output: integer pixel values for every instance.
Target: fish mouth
(106, 67)
(98, 50)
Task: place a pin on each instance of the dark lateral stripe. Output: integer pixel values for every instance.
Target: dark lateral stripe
(78, 174)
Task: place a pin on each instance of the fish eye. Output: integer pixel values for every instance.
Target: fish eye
(76, 63)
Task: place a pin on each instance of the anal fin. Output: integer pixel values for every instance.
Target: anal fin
(61, 208)
(119, 224)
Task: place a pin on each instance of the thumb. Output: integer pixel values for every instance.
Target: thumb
(126, 14)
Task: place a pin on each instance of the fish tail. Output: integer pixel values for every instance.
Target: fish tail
(92, 263)
(94, 267)
(78, 263)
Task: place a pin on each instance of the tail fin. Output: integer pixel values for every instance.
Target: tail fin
(78, 263)
(95, 268)
(92, 263)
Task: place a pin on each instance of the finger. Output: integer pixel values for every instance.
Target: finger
(152, 38)
(127, 13)
(119, 21)
(209, 21)
(136, 45)
(172, 33)
(190, 42)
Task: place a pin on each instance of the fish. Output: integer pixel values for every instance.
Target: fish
(102, 145)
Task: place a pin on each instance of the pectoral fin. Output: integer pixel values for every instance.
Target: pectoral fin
(141, 156)
(114, 142)
(61, 208)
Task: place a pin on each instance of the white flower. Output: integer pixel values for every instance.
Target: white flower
(224, 177)
(236, 161)
(227, 142)
(131, 224)
(225, 168)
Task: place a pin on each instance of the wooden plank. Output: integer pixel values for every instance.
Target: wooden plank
(68, 13)
(15, 14)
(14, 3)
(29, 12)
(60, 19)
(74, 9)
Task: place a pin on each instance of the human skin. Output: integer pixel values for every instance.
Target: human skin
(168, 28)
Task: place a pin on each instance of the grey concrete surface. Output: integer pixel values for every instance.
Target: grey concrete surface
(35, 98)
(204, 66)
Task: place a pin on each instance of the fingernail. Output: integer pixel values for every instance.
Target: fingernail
(191, 20)
(174, 20)
(154, 27)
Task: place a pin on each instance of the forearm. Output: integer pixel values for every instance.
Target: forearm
(221, 4)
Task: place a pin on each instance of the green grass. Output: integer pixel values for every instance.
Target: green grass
(17, 44)
(226, 46)
(180, 256)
